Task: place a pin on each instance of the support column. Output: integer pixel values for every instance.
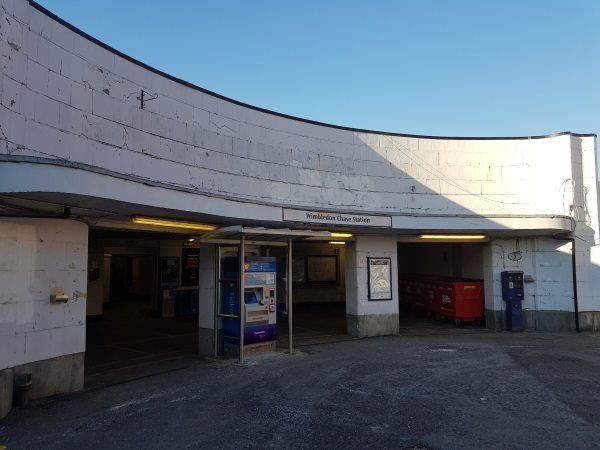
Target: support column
(364, 317)
(289, 292)
(242, 304)
(206, 307)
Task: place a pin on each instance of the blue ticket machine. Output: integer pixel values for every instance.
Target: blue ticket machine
(260, 301)
(512, 294)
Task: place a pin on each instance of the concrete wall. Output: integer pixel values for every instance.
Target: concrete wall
(305, 292)
(206, 309)
(40, 257)
(471, 261)
(443, 259)
(65, 98)
(548, 302)
(364, 317)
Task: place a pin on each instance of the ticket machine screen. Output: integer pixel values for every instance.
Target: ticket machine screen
(253, 297)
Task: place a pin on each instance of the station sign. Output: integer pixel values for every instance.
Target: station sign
(331, 218)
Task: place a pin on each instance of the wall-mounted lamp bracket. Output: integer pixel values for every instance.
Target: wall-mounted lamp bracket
(146, 97)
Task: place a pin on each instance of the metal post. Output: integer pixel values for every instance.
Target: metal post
(289, 292)
(217, 299)
(575, 299)
(242, 305)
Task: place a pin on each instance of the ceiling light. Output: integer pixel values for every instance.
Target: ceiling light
(173, 223)
(455, 237)
(341, 235)
(337, 242)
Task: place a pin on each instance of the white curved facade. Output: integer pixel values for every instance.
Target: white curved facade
(73, 134)
(72, 103)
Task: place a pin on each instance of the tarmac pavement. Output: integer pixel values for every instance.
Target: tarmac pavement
(456, 390)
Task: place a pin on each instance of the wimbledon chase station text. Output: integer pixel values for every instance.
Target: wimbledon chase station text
(334, 218)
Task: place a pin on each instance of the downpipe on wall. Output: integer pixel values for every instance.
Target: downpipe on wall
(574, 269)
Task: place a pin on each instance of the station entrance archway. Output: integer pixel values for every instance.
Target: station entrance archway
(430, 275)
(138, 322)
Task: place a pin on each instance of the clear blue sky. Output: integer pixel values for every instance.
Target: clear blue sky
(480, 67)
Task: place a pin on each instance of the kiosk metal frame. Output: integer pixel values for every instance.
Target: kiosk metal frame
(242, 236)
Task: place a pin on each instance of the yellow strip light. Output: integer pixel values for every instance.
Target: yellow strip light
(458, 237)
(337, 242)
(341, 235)
(173, 223)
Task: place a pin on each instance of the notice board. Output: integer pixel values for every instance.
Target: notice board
(380, 278)
(190, 266)
(322, 269)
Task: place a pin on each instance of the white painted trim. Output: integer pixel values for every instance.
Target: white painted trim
(27, 177)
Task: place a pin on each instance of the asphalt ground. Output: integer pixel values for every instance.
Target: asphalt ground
(454, 390)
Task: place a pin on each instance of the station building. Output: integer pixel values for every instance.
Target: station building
(127, 194)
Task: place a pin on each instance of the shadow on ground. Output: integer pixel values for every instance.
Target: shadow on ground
(465, 390)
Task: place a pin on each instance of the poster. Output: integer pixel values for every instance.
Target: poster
(169, 272)
(298, 268)
(380, 278)
(190, 266)
(321, 268)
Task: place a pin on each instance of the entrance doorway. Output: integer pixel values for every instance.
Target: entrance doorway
(433, 278)
(136, 326)
(318, 293)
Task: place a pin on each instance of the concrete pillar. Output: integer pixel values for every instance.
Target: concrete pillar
(206, 292)
(494, 306)
(364, 317)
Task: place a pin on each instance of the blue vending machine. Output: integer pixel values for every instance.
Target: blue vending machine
(512, 294)
(260, 301)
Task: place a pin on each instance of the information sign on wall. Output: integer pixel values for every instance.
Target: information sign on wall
(380, 278)
(321, 269)
(360, 220)
(190, 266)
(169, 272)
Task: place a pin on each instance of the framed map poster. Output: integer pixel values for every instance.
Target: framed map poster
(169, 272)
(379, 278)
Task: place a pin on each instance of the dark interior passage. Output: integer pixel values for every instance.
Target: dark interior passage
(136, 326)
(129, 341)
(440, 287)
(319, 295)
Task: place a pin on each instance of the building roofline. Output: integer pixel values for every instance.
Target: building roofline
(137, 62)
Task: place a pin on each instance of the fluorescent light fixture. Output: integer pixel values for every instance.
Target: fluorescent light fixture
(337, 242)
(341, 235)
(173, 223)
(450, 237)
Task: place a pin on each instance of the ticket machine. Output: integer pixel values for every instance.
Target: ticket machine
(512, 294)
(260, 301)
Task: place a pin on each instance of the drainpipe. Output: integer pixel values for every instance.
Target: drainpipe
(574, 268)
(575, 300)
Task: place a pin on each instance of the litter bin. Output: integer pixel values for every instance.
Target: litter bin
(22, 386)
